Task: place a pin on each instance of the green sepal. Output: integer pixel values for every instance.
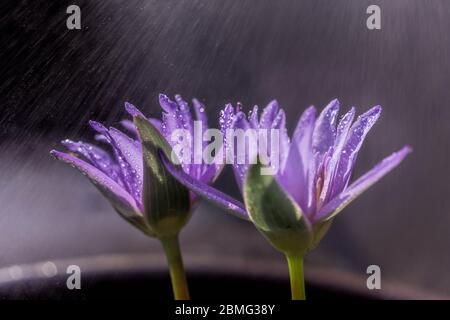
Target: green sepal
(319, 230)
(166, 201)
(276, 215)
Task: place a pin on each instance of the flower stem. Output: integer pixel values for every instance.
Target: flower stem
(177, 275)
(295, 264)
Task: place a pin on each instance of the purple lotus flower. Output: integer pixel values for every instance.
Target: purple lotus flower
(118, 170)
(294, 208)
(315, 167)
(130, 175)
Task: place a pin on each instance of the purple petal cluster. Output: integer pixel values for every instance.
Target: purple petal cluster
(316, 164)
(117, 168)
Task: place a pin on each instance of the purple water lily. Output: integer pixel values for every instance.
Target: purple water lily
(131, 176)
(295, 208)
(118, 170)
(315, 167)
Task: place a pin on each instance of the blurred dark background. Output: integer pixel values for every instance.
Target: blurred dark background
(53, 80)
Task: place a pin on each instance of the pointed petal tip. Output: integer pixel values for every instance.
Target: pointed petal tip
(58, 155)
(66, 142)
(274, 102)
(330, 111)
(272, 106)
(132, 110)
(309, 113)
(350, 114)
(406, 149)
(198, 105)
(228, 108)
(71, 145)
(334, 104)
(371, 116)
(311, 108)
(97, 126)
(127, 104)
(280, 119)
(167, 104)
(377, 109)
(162, 97)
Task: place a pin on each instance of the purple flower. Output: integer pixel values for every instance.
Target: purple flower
(120, 170)
(312, 185)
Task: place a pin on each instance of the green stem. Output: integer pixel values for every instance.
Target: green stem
(179, 284)
(295, 264)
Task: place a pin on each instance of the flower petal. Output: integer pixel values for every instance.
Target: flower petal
(178, 116)
(200, 113)
(279, 123)
(168, 105)
(240, 166)
(156, 123)
(296, 174)
(95, 156)
(212, 172)
(129, 126)
(122, 145)
(350, 150)
(226, 117)
(253, 117)
(268, 115)
(132, 154)
(171, 118)
(202, 171)
(132, 110)
(121, 200)
(341, 137)
(184, 114)
(207, 192)
(226, 122)
(101, 129)
(325, 128)
(135, 112)
(332, 208)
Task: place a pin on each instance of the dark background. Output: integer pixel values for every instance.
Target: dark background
(52, 81)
